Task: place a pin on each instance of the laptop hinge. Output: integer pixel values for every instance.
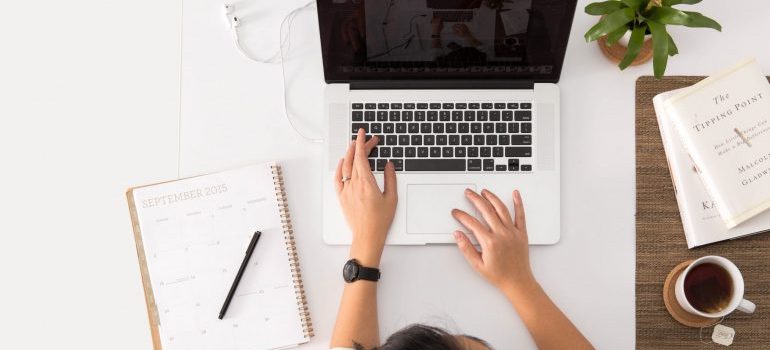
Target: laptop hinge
(441, 84)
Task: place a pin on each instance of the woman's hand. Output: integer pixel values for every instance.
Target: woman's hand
(368, 210)
(504, 256)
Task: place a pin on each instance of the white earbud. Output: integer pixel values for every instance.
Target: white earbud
(232, 19)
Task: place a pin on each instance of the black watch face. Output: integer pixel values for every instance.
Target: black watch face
(350, 271)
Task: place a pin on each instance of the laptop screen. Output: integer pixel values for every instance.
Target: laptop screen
(444, 39)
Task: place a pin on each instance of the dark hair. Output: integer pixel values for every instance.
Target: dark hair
(421, 337)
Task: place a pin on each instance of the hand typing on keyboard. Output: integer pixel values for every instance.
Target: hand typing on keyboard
(368, 210)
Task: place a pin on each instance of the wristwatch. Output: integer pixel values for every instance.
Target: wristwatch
(353, 271)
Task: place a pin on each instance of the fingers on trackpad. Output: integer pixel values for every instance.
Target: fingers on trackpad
(429, 207)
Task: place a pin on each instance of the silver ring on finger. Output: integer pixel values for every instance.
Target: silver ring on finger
(345, 179)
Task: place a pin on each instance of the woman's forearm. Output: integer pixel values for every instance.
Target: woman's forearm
(550, 328)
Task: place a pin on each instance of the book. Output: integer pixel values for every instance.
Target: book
(724, 123)
(701, 222)
(191, 236)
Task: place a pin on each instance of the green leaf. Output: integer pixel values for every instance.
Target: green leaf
(612, 22)
(672, 49)
(669, 3)
(615, 35)
(634, 4)
(668, 15)
(659, 48)
(603, 8)
(634, 46)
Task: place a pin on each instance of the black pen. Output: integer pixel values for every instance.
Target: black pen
(249, 251)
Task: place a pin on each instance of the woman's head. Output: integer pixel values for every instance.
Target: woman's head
(430, 338)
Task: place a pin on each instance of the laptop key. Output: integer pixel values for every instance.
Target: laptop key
(403, 140)
(358, 116)
(474, 164)
(435, 106)
(382, 106)
(473, 152)
(501, 167)
(407, 116)
(419, 116)
(388, 128)
(375, 128)
(520, 152)
(381, 164)
(447, 152)
(526, 167)
(398, 164)
(522, 116)
(470, 116)
(410, 152)
(380, 140)
(454, 140)
(513, 165)
(435, 152)
(489, 128)
(460, 152)
(371, 165)
(395, 116)
(441, 140)
(504, 140)
(422, 106)
(492, 140)
(486, 105)
(507, 116)
(369, 116)
(414, 128)
(438, 128)
(384, 152)
(429, 140)
(489, 164)
(398, 152)
(478, 140)
(391, 140)
(416, 140)
(486, 152)
(432, 116)
(513, 128)
(425, 128)
(497, 152)
(357, 126)
(374, 153)
(476, 128)
(422, 152)
(494, 116)
(395, 106)
(434, 165)
(408, 105)
(526, 128)
(444, 116)
(513, 106)
(370, 105)
(400, 128)
(526, 106)
(482, 116)
(447, 106)
(499, 105)
(451, 128)
(466, 139)
(500, 128)
(521, 139)
(457, 116)
(473, 106)
(461, 105)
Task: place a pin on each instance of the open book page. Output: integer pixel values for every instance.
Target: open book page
(195, 233)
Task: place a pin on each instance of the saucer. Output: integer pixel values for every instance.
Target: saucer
(672, 305)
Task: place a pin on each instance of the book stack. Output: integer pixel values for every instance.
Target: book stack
(716, 135)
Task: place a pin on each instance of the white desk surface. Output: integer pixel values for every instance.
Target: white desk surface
(101, 77)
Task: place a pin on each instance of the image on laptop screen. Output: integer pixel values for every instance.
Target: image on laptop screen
(451, 39)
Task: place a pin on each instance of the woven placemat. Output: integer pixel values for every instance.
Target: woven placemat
(660, 245)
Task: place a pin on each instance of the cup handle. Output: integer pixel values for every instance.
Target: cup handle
(746, 306)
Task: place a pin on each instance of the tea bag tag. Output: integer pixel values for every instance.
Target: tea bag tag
(723, 335)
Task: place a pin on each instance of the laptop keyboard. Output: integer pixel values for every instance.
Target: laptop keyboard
(445, 136)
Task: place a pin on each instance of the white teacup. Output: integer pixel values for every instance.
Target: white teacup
(736, 301)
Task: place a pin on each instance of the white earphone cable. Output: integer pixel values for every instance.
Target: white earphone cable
(278, 57)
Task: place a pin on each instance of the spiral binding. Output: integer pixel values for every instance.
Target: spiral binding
(291, 248)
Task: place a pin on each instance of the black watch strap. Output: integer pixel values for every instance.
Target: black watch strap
(369, 274)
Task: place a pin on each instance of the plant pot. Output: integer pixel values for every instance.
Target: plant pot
(617, 51)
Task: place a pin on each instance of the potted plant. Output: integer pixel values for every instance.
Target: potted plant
(641, 21)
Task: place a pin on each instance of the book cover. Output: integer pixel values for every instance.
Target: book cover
(724, 124)
(700, 220)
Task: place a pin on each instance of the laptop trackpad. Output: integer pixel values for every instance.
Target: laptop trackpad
(429, 207)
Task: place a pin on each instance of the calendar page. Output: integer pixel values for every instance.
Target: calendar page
(195, 233)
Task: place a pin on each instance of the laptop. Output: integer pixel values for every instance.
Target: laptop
(455, 106)
(453, 10)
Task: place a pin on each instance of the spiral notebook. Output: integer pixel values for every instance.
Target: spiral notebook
(191, 236)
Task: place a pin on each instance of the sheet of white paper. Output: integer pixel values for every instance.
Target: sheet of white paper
(195, 234)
